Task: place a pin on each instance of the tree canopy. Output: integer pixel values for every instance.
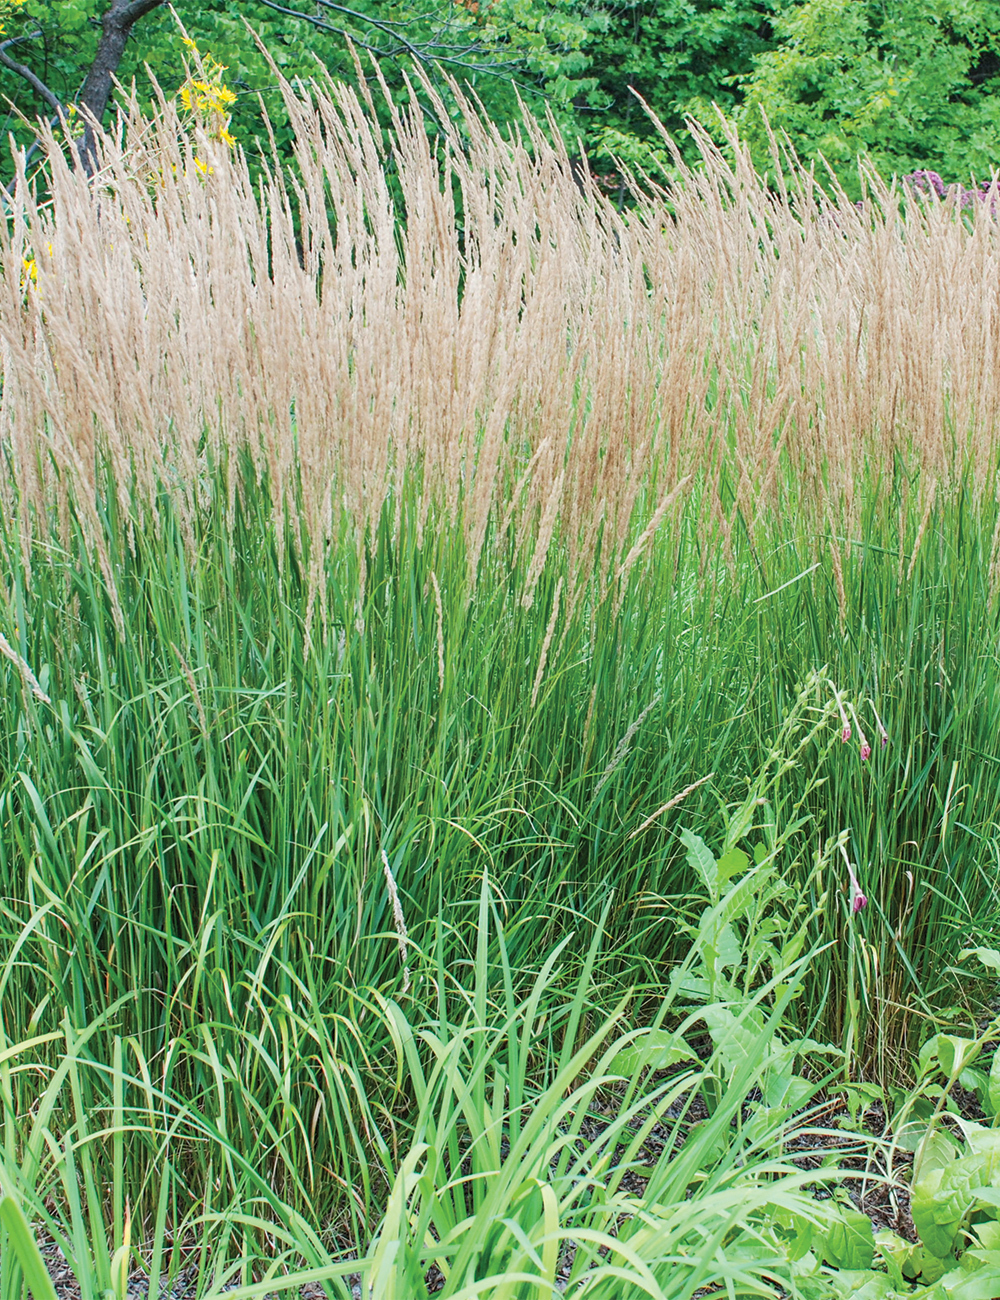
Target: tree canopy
(907, 83)
(58, 56)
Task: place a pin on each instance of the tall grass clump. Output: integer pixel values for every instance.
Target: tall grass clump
(416, 519)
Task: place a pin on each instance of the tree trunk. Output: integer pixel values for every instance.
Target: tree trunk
(116, 26)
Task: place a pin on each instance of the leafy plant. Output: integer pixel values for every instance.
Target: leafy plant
(905, 84)
(502, 542)
(519, 1175)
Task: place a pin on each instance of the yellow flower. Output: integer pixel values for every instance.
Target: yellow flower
(206, 96)
(5, 8)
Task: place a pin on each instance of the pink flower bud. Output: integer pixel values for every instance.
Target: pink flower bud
(858, 899)
(845, 735)
(883, 734)
(866, 749)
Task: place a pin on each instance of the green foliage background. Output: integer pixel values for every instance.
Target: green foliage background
(909, 84)
(905, 83)
(509, 49)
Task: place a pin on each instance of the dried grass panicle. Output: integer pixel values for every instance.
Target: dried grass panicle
(623, 746)
(671, 803)
(545, 376)
(543, 656)
(399, 921)
(29, 679)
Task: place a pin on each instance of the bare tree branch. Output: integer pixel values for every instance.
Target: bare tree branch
(136, 9)
(425, 52)
(325, 27)
(448, 44)
(116, 27)
(22, 70)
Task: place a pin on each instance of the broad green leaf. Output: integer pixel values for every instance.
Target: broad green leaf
(849, 1242)
(975, 1080)
(989, 957)
(877, 1287)
(981, 1140)
(735, 1040)
(932, 1269)
(729, 950)
(796, 1230)
(982, 1284)
(655, 1050)
(701, 860)
(903, 1254)
(911, 1134)
(941, 1200)
(859, 1096)
(988, 1233)
(936, 1151)
(956, 1053)
(778, 1077)
(928, 1054)
(731, 864)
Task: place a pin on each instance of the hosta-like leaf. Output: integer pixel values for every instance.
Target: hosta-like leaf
(941, 1200)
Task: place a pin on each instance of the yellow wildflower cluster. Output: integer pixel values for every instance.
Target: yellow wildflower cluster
(206, 96)
(7, 8)
(29, 267)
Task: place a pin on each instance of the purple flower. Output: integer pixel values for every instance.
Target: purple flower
(858, 900)
(926, 182)
(866, 751)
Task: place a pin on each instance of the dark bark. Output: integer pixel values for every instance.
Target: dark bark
(116, 27)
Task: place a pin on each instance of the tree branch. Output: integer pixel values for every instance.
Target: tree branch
(320, 25)
(22, 70)
(135, 10)
(423, 52)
